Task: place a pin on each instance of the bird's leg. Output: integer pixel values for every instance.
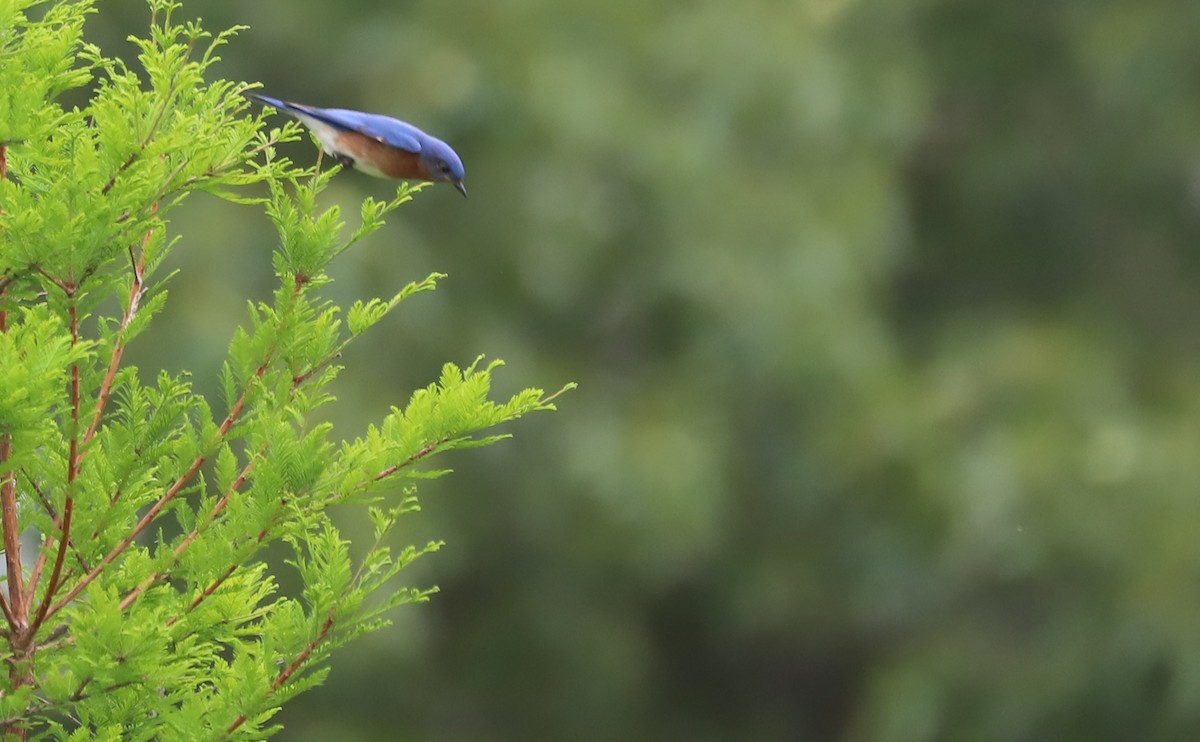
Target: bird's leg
(345, 161)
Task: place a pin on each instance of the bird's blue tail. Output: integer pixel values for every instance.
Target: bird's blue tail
(274, 102)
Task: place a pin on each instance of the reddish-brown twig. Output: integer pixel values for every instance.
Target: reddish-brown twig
(152, 513)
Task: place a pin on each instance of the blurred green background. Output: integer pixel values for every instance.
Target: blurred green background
(885, 320)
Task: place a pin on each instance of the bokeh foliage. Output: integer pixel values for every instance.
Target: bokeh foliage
(884, 316)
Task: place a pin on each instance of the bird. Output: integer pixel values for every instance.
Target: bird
(377, 145)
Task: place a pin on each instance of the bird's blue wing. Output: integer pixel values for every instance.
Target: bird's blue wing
(386, 129)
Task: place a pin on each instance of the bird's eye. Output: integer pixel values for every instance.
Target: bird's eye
(444, 167)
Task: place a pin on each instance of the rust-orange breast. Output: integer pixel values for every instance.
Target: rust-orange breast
(376, 158)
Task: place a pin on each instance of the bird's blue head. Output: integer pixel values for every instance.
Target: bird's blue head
(443, 165)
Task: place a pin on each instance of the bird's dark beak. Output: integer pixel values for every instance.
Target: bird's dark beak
(462, 187)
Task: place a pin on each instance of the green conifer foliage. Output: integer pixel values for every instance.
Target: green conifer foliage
(137, 602)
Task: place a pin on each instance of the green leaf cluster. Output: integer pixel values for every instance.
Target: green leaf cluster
(139, 601)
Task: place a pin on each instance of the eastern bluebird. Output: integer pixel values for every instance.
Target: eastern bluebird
(378, 145)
